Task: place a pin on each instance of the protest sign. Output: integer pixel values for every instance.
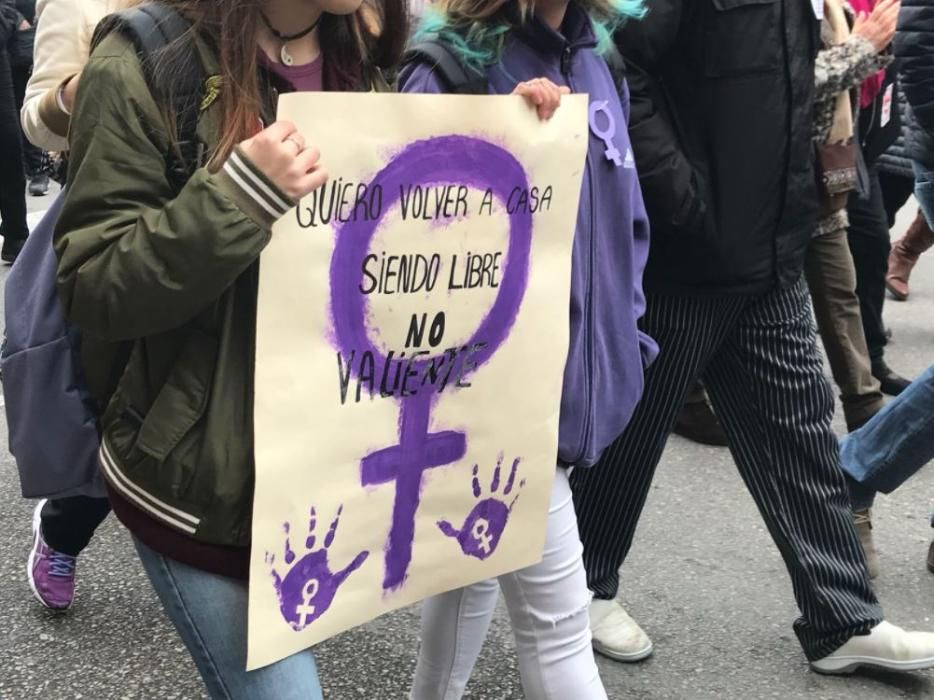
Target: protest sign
(412, 332)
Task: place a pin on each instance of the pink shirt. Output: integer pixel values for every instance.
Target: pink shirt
(306, 78)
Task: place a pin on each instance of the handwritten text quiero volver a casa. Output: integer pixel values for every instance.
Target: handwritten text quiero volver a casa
(402, 374)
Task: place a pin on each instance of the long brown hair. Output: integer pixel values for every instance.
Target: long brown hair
(371, 38)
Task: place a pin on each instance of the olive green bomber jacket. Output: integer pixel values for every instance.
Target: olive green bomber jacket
(175, 273)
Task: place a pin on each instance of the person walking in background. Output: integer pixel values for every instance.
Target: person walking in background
(722, 123)
(13, 226)
(846, 60)
(868, 234)
(915, 50)
(897, 176)
(63, 40)
(899, 443)
(21, 59)
(62, 527)
(895, 172)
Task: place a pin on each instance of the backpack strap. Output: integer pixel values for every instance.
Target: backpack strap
(459, 78)
(616, 64)
(153, 28)
(462, 79)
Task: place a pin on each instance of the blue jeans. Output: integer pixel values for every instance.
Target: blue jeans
(893, 446)
(210, 614)
(924, 189)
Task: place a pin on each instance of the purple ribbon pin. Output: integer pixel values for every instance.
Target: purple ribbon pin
(443, 160)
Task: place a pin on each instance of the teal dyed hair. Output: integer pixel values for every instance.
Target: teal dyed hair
(605, 28)
(478, 46)
(478, 39)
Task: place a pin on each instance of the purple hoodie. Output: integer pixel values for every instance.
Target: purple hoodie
(603, 378)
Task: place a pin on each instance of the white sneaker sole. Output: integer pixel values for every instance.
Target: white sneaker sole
(36, 530)
(626, 658)
(846, 665)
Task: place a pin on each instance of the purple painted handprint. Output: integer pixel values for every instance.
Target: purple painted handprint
(481, 532)
(309, 587)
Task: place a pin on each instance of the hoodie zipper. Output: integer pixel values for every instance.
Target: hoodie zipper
(872, 125)
(566, 56)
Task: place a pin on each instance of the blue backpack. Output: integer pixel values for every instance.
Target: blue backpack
(52, 417)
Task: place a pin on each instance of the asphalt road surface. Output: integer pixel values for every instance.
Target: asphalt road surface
(704, 580)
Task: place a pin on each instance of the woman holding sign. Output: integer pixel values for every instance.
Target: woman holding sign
(158, 245)
(541, 51)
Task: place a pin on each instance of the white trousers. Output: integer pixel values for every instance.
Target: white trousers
(548, 604)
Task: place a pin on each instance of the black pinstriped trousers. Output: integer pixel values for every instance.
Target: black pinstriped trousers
(760, 363)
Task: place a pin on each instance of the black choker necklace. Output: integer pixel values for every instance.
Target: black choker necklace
(284, 54)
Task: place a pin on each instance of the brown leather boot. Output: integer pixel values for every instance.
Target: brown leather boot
(905, 254)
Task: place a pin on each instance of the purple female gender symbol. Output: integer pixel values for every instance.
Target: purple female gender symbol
(606, 135)
(443, 160)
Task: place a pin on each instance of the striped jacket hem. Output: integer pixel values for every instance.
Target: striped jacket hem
(142, 499)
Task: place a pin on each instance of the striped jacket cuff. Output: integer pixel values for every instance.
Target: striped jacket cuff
(252, 191)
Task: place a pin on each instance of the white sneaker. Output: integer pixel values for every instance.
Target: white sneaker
(617, 635)
(886, 646)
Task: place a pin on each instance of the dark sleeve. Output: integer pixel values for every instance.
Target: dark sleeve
(10, 19)
(669, 184)
(914, 47)
(27, 8)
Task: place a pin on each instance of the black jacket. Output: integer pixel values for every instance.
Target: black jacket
(914, 47)
(880, 123)
(722, 112)
(10, 19)
(896, 161)
(16, 42)
(22, 41)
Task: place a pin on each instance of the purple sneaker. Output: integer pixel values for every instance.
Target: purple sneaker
(51, 574)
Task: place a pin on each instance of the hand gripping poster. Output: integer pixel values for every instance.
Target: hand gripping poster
(412, 333)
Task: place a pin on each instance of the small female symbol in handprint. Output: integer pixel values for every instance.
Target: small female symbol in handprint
(309, 587)
(481, 532)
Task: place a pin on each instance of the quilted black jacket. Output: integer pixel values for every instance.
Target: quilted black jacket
(914, 47)
(722, 113)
